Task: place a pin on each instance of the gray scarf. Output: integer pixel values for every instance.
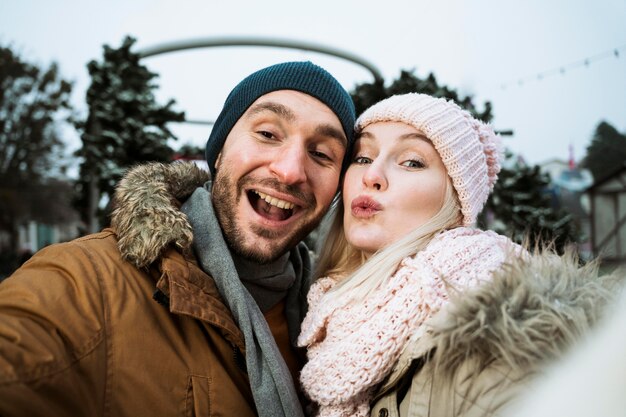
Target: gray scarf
(268, 283)
(272, 386)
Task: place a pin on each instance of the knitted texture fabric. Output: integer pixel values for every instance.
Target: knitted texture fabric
(305, 77)
(353, 346)
(469, 149)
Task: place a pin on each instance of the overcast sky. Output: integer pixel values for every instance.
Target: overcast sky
(480, 47)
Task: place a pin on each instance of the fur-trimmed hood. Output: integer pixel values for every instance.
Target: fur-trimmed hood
(531, 312)
(147, 217)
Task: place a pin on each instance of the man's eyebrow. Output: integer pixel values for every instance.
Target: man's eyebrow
(272, 107)
(330, 131)
(286, 113)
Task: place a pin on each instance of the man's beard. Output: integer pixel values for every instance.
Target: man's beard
(226, 195)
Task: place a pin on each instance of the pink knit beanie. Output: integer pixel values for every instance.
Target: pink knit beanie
(469, 149)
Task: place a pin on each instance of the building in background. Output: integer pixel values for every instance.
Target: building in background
(43, 215)
(607, 200)
(568, 183)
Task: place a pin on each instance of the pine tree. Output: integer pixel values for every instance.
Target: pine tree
(367, 94)
(34, 101)
(125, 126)
(607, 151)
(521, 207)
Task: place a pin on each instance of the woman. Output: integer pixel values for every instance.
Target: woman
(400, 320)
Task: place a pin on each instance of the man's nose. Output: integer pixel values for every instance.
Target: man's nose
(289, 165)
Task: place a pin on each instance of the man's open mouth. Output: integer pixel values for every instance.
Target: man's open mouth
(270, 207)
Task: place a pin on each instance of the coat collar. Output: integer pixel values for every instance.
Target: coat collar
(146, 215)
(153, 232)
(192, 293)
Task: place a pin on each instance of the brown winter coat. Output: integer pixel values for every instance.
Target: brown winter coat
(486, 347)
(123, 322)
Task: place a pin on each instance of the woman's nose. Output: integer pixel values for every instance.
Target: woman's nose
(374, 177)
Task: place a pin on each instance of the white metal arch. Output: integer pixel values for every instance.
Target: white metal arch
(212, 42)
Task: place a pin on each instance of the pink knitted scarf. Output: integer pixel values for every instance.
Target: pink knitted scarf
(352, 347)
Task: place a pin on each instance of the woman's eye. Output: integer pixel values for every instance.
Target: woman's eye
(413, 163)
(361, 160)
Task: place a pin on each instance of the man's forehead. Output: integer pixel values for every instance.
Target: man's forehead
(287, 98)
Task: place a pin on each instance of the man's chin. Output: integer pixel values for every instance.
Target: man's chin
(259, 253)
(263, 245)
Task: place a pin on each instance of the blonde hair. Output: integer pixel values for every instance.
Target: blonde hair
(358, 278)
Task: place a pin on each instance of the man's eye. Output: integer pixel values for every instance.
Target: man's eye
(320, 155)
(267, 134)
(413, 163)
(361, 160)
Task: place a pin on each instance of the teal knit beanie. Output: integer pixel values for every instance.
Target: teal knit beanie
(305, 77)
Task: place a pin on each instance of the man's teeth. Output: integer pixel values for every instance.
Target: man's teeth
(282, 204)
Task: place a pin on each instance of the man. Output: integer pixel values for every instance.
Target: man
(137, 320)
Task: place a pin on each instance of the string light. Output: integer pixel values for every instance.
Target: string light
(562, 69)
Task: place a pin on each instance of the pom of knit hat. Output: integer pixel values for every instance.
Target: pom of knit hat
(469, 148)
(492, 147)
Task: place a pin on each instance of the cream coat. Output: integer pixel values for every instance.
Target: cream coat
(483, 350)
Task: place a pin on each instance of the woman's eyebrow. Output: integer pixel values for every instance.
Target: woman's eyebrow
(411, 135)
(414, 136)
